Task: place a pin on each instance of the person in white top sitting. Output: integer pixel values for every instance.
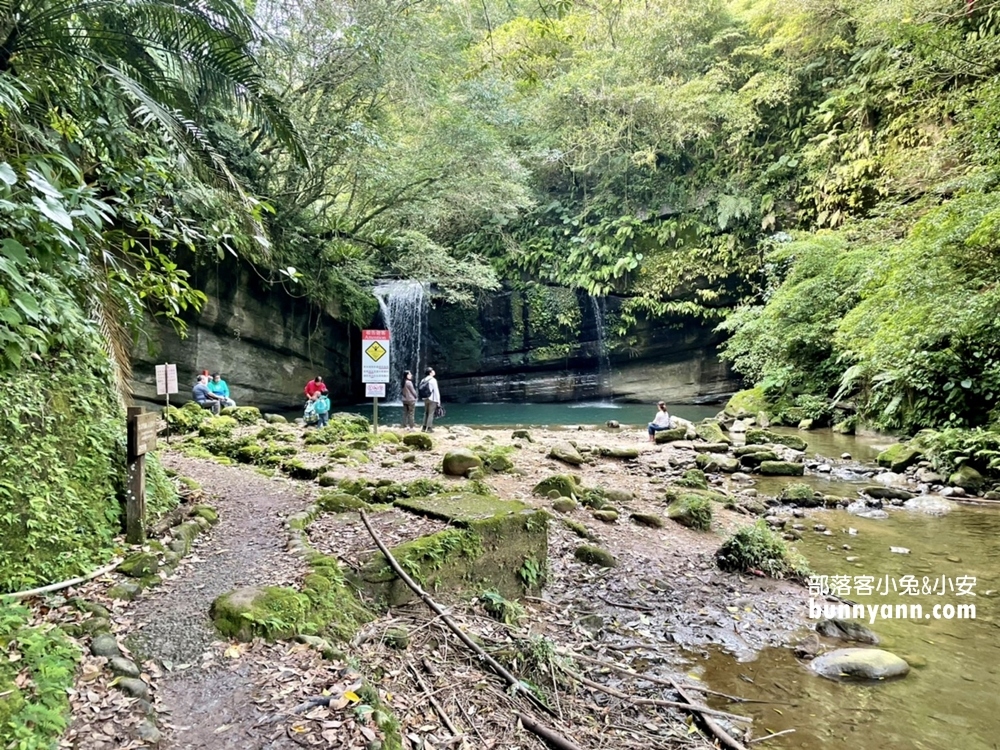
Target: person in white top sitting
(660, 422)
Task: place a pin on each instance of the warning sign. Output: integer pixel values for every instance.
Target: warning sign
(375, 356)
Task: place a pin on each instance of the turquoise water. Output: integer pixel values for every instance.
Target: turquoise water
(480, 415)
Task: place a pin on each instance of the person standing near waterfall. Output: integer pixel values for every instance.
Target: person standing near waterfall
(429, 392)
(409, 401)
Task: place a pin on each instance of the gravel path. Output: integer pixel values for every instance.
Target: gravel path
(210, 707)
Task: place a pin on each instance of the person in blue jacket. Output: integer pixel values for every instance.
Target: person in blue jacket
(219, 387)
(322, 409)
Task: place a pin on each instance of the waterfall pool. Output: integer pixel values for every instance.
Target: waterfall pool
(526, 415)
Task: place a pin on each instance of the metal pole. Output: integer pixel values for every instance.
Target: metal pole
(166, 387)
(375, 413)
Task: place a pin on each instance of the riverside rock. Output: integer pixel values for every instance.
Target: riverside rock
(846, 630)
(859, 664)
(566, 453)
(781, 469)
(459, 461)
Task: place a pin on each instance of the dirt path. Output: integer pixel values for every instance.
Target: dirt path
(199, 696)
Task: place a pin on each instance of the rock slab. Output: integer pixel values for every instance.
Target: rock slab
(859, 664)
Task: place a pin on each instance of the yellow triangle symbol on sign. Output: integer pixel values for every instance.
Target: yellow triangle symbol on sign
(375, 352)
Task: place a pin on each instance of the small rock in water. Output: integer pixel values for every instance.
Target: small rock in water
(799, 513)
(860, 663)
(613, 424)
(874, 514)
(819, 527)
(824, 468)
(852, 558)
(953, 558)
(845, 456)
(845, 546)
(899, 550)
(852, 532)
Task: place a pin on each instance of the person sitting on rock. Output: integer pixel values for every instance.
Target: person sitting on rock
(219, 387)
(660, 422)
(204, 397)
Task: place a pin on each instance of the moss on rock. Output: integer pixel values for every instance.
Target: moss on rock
(671, 436)
(270, 612)
(591, 555)
(418, 440)
(139, 565)
(459, 462)
(691, 510)
(565, 484)
(781, 469)
(711, 432)
(693, 478)
(765, 437)
(747, 403)
(899, 457)
(217, 427)
(340, 502)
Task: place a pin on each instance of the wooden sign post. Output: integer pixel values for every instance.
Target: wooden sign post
(141, 440)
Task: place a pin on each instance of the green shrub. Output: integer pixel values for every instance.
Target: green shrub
(693, 511)
(758, 548)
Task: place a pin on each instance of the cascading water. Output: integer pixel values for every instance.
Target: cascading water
(604, 360)
(404, 313)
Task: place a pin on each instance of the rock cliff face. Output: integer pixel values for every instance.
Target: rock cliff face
(542, 344)
(546, 344)
(264, 342)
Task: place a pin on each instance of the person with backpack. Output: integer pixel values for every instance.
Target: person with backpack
(321, 406)
(428, 391)
(409, 400)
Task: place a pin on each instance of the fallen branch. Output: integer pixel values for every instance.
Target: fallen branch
(514, 683)
(553, 739)
(433, 701)
(724, 737)
(771, 736)
(691, 706)
(63, 584)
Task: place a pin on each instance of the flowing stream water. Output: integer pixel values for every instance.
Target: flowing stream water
(949, 699)
(604, 389)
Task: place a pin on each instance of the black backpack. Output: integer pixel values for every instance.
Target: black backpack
(424, 389)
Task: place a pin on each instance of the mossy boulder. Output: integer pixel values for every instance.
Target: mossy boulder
(271, 612)
(340, 502)
(712, 463)
(671, 436)
(493, 543)
(691, 510)
(758, 548)
(747, 403)
(967, 478)
(565, 484)
(207, 512)
(567, 453)
(249, 454)
(521, 435)
(899, 457)
(275, 419)
(185, 418)
(613, 495)
(647, 519)
(139, 565)
(565, 505)
(591, 555)
(756, 458)
(243, 414)
(217, 427)
(693, 478)
(606, 515)
(459, 462)
(328, 479)
(125, 591)
(711, 432)
(802, 495)
(781, 469)
(419, 440)
(296, 468)
(393, 438)
(627, 454)
(767, 437)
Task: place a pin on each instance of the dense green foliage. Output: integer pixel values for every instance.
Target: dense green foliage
(36, 672)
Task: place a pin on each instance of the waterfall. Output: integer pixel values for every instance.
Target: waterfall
(404, 312)
(604, 361)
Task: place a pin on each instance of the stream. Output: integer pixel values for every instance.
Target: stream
(945, 700)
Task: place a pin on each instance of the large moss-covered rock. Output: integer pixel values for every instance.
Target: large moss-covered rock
(711, 432)
(460, 461)
(801, 495)
(627, 453)
(270, 612)
(691, 510)
(859, 664)
(765, 437)
(751, 460)
(297, 468)
(217, 427)
(672, 435)
(884, 492)
(186, 418)
(139, 565)
(747, 403)
(419, 440)
(781, 469)
(493, 543)
(693, 478)
(591, 555)
(565, 484)
(567, 453)
(899, 457)
(967, 478)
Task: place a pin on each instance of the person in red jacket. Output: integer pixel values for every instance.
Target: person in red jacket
(315, 387)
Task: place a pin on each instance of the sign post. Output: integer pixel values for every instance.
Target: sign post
(166, 383)
(375, 367)
(141, 427)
